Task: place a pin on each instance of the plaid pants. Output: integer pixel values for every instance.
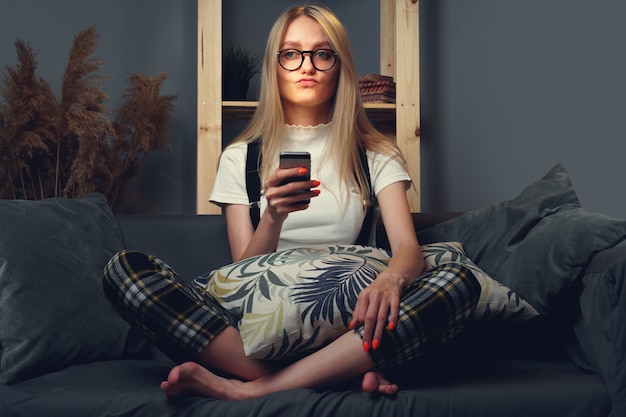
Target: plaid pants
(181, 321)
(161, 306)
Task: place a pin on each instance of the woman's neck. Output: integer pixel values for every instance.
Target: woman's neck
(306, 116)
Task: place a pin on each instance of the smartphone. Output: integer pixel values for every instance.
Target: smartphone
(297, 160)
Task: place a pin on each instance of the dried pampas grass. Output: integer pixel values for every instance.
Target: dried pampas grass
(68, 147)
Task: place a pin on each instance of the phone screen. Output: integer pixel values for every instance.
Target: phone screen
(297, 160)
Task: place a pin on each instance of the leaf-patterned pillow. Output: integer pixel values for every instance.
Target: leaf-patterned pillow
(294, 301)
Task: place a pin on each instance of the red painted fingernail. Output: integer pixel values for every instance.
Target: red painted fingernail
(303, 171)
(391, 325)
(375, 344)
(351, 325)
(366, 346)
(316, 183)
(317, 192)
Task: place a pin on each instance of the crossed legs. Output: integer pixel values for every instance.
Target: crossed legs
(183, 323)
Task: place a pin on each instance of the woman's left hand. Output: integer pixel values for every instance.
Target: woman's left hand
(377, 307)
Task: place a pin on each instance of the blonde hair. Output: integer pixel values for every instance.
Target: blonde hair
(350, 127)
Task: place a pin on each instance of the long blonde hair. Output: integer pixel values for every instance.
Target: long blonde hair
(350, 127)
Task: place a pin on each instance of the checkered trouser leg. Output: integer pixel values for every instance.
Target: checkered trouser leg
(161, 306)
(433, 310)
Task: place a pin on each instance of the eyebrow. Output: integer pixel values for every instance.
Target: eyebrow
(295, 45)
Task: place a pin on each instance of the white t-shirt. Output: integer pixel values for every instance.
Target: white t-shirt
(328, 220)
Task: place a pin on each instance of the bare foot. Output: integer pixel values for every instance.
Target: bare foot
(374, 381)
(191, 378)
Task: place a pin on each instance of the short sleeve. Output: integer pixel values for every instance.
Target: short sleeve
(385, 170)
(230, 182)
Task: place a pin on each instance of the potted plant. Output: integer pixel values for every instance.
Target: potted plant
(238, 66)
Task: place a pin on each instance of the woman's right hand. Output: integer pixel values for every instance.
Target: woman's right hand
(284, 198)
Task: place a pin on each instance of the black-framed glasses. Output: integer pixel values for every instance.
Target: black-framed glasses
(292, 59)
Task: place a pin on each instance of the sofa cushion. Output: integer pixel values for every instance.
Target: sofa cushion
(538, 243)
(294, 301)
(53, 312)
(601, 328)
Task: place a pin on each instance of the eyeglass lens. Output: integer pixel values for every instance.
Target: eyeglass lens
(292, 59)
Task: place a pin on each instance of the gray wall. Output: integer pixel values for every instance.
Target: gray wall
(509, 88)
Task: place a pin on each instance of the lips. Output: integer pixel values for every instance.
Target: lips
(307, 82)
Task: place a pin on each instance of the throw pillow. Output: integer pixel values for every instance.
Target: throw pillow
(491, 234)
(554, 254)
(53, 312)
(538, 243)
(292, 302)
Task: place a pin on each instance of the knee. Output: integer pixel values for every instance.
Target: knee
(125, 269)
(456, 284)
(446, 285)
(453, 275)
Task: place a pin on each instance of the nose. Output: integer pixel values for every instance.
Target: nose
(307, 66)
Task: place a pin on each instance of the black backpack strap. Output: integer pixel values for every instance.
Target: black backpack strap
(366, 227)
(253, 180)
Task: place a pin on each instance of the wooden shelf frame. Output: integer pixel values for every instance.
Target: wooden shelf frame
(399, 57)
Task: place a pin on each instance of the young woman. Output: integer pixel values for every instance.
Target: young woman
(309, 101)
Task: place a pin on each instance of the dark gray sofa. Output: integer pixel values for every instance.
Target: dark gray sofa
(65, 352)
(485, 377)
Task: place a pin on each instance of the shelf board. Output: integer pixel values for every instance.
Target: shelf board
(381, 111)
(245, 109)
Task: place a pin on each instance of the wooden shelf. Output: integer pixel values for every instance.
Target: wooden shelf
(245, 109)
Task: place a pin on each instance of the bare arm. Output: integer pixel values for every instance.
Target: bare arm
(378, 305)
